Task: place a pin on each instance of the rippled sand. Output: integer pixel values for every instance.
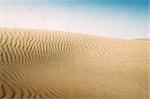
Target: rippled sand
(41, 64)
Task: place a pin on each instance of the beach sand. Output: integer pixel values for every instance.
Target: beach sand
(42, 64)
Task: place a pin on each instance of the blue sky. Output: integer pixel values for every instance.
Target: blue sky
(109, 18)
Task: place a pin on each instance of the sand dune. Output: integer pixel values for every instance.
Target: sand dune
(41, 64)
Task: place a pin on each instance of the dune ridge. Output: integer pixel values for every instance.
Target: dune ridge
(42, 64)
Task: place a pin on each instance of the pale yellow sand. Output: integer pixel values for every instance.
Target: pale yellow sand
(40, 64)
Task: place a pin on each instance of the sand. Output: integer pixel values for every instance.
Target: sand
(41, 64)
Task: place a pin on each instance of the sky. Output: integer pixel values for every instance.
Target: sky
(110, 18)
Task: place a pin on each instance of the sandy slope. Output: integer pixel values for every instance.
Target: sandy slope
(44, 64)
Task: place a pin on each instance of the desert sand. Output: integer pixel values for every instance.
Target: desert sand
(42, 64)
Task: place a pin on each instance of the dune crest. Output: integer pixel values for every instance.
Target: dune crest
(41, 64)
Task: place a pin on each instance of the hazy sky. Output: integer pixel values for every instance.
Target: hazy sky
(110, 18)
